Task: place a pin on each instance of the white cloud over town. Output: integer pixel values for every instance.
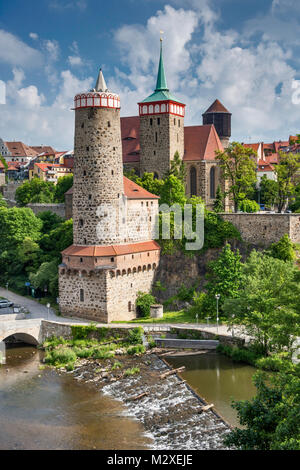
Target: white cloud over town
(252, 76)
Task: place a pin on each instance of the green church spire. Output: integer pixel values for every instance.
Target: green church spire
(161, 83)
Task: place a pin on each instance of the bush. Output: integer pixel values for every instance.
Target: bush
(83, 331)
(284, 249)
(275, 363)
(137, 349)
(132, 371)
(143, 303)
(238, 354)
(248, 205)
(60, 356)
(135, 336)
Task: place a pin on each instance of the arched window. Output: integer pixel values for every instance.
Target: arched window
(212, 182)
(193, 181)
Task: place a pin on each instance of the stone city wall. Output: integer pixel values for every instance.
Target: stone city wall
(58, 209)
(264, 229)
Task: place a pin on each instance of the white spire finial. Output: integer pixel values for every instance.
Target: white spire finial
(100, 84)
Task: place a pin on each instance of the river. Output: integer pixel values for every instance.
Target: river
(44, 409)
(48, 409)
(217, 379)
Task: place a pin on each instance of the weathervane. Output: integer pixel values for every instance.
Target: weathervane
(161, 33)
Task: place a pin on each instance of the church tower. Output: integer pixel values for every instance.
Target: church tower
(161, 126)
(220, 117)
(113, 255)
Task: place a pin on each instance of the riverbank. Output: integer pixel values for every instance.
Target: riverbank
(169, 410)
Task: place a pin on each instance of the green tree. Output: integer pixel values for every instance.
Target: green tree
(178, 168)
(17, 224)
(268, 191)
(239, 169)
(46, 276)
(286, 173)
(271, 419)
(284, 249)
(2, 201)
(172, 191)
(247, 205)
(36, 191)
(64, 183)
(50, 221)
(151, 184)
(218, 205)
(268, 303)
(28, 253)
(54, 242)
(224, 276)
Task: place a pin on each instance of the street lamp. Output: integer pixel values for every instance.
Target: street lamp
(7, 285)
(48, 307)
(217, 298)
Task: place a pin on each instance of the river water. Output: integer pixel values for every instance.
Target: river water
(46, 409)
(217, 379)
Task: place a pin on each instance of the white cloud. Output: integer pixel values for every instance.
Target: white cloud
(26, 117)
(52, 48)
(75, 60)
(15, 52)
(33, 36)
(66, 5)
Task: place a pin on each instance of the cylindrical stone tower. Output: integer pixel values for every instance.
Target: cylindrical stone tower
(98, 171)
(220, 117)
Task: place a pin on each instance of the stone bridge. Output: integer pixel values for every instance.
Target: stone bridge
(28, 331)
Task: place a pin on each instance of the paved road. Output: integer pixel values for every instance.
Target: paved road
(38, 310)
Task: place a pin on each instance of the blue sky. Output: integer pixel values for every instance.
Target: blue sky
(246, 53)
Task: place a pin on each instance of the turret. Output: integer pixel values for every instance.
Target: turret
(218, 115)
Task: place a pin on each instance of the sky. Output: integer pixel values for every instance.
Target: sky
(245, 53)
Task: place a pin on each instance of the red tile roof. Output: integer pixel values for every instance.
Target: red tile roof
(264, 166)
(43, 149)
(130, 131)
(217, 107)
(111, 250)
(254, 147)
(48, 166)
(201, 142)
(18, 149)
(131, 191)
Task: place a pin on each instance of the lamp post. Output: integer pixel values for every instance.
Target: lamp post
(7, 285)
(48, 307)
(217, 298)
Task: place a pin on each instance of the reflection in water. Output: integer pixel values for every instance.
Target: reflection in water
(217, 379)
(44, 409)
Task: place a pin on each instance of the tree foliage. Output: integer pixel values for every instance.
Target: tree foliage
(35, 191)
(286, 173)
(271, 419)
(239, 169)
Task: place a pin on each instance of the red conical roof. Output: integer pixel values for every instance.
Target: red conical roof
(217, 107)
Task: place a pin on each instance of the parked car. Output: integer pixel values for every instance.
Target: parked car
(4, 303)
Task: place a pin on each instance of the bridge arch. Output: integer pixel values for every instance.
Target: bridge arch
(22, 337)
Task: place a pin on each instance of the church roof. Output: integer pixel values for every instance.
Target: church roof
(217, 107)
(161, 92)
(201, 142)
(130, 131)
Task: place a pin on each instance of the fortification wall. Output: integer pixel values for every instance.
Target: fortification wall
(264, 229)
(58, 209)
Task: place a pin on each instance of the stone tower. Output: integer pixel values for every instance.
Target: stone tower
(161, 126)
(98, 170)
(113, 255)
(218, 115)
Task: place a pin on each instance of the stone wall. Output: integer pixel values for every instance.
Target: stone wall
(107, 295)
(159, 142)
(2, 179)
(264, 229)
(223, 339)
(58, 209)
